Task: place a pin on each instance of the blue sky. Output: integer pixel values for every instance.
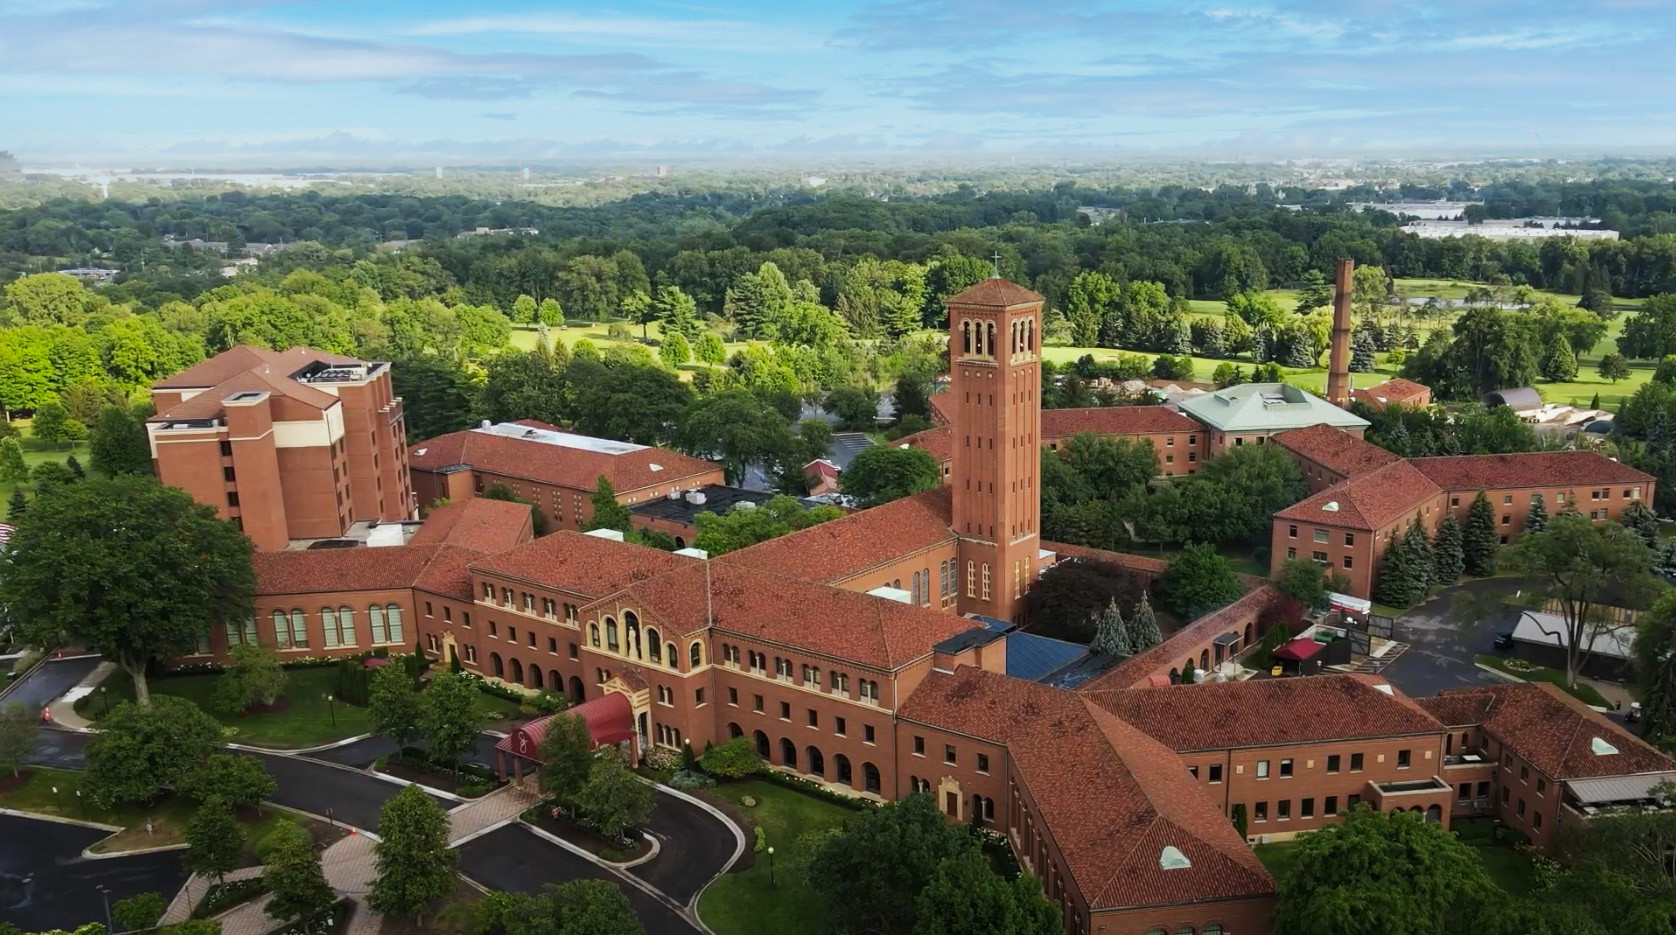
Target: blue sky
(246, 81)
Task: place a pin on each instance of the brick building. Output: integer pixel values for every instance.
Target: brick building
(1395, 392)
(556, 470)
(296, 444)
(1362, 496)
(1176, 438)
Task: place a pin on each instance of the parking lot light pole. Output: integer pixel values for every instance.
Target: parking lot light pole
(332, 706)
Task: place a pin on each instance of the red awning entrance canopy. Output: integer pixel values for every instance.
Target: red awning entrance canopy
(1298, 650)
(610, 720)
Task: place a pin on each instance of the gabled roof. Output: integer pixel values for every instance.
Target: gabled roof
(845, 547)
(1527, 469)
(1396, 389)
(1369, 501)
(937, 442)
(243, 358)
(1111, 797)
(817, 618)
(1115, 420)
(1558, 734)
(586, 565)
(942, 408)
(1337, 451)
(479, 524)
(1268, 712)
(1265, 407)
(388, 568)
(211, 403)
(994, 293)
(629, 467)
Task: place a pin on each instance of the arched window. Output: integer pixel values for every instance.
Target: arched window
(842, 763)
(1156, 932)
(788, 753)
(535, 677)
(593, 635)
(925, 587)
(394, 612)
(611, 642)
(817, 763)
(375, 614)
(555, 681)
(1211, 928)
(654, 646)
(989, 338)
(965, 337)
(496, 667)
(517, 672)
(915, 591)
(734, 730)
(761, 742)
(631, 634)
(577, 695)
(1184, 930)
(299, 629)
(346, 624)
(1433, 814)
(674, 657)
(282, 629)
(1030, 336)
(1204, 659)
(696, 654)
(329, 623)
(870, 778)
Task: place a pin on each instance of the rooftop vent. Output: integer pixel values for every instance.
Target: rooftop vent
(696, 497)
(420, 452)
(693, 553)
(1384, 688)
(1173, 859)
(1331, 506)
(484, 424)
(612, 534)
(655, 466)
(1600, 747)
(675, 495)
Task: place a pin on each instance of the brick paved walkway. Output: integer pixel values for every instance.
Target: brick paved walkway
(504, 804)
(196, 886)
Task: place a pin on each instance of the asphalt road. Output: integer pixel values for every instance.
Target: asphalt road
(1441, 648)
(351, 797)
(362, 753)
(59, 749)
(49, 680)
(46, 884)
(694, 847)
(514, 859)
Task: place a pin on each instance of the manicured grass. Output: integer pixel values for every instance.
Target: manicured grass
(36, 451)
(308, 720)
(1583, 692)
(744, 902)
(524, 338)
(495, 708)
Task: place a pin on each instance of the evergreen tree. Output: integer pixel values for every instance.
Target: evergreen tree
(292, 872)
(1316, 293)
(213, 840)
(1395, 582)
(1361, 353)
(1398, 440)
(1419, 560)
(1111, 636)
(1595, 402)
(1479, 540)
(415, 863)
(1537, 519)
(1655, 653)
(13, 469)
(1559, 364)
(1637, 518)
(1660, 438)
(16, 505)
(709, 348)
(1448, 558)
(1143, 627)
(76, 471)
(607, 512)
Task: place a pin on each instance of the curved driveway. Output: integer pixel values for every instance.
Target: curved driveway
(49, 681)
(694, 847)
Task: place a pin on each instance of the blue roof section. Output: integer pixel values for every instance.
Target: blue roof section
(990, 623)
(1032, 658)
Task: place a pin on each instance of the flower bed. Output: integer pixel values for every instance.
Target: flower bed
(554, 820)
(224, 896)
(333, 920)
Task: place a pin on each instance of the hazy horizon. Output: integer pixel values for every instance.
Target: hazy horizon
(244, 83)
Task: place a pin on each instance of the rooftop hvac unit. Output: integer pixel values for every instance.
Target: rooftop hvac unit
(696, 497)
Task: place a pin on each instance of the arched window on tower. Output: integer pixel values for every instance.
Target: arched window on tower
(965, 337)
(1030, 335)
(989, 334)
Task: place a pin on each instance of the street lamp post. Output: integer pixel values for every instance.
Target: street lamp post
(104, 700)
(771, 866)
(332, 706)
(106, 895)
(58, 798)
(82, 802)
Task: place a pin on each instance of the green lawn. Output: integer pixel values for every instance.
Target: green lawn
(1584, 692)
(308, 721)
(1509, 868)
(36, 452)
(744, 902)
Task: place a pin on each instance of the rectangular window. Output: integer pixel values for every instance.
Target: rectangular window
(1321, 535)
(948, 754)
(1292, 531)
(1261, 812)
(227, 474)
(1283, 810)
(1541, 785)
(785, 710)
(756, 703)
(1291, 553)
(1330, 805)
(866, 733)
(814, 718)
(1355, 762)
(1352, 800)
(919, 746)
(1306, 808)
(698, 697)
(1216, 772)
(1521, 808)
(1262, 769)
(1286, 769)
(838, 726)
(983, 763)
(1347, 562)
(512, 634)
(1332, 763)
(1349, 538)
(1319, 557)
(1507, 500)
(575, 651)
(733, 697)
(1402, 759)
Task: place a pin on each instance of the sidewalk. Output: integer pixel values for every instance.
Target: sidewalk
(63, 710)
(193, 892)
(480, 815)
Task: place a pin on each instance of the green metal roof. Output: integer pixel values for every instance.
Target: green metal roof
(1266, 407)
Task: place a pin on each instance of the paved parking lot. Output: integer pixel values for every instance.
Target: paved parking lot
(1441, 648)
(46, 884)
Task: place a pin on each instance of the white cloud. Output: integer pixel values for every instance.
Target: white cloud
(732, 35)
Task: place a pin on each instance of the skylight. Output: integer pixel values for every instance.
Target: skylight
(1331, 506)
(1601, 748)
(1173, 859)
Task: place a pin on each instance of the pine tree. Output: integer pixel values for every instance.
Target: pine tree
(1419, 560)
(1479, 540)
(1111, 636)
(1143, 628)
(1595, 402)
(1537, 519)
(16, 505)
(1395, 582)
(1397, 439)
(1641, 521)
(1361, 353)
(415, 864)
(1659, 438)
(1559, 364)
(1447, 557)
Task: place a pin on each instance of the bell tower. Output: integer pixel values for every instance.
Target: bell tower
(995, 382)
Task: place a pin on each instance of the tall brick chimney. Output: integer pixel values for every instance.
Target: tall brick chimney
(1338, 358)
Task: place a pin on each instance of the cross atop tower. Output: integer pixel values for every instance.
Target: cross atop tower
(995, 263)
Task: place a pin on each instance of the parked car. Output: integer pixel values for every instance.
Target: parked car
(1634, 714)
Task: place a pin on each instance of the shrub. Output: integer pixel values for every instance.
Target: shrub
(224, 896)
(690, 779)
(660, 759)
(265, 843)
(138, 912)
(732, 760)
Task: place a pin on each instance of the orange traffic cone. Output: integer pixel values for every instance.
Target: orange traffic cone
(46, 715)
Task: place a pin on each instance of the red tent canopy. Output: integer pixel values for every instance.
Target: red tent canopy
(609, 717)
(1298, 650)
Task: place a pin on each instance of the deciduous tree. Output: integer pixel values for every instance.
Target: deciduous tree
(1198, 580)
(213, 840)
(965, 896)
(393, 703)
(119, 444)
(607, 512)
(448, 719)
(139, 750)
(612, 799)
(296, 883)
(252, 678)
(872, 873)
(886, 472)
(415, 863)
(567, 755)
(231, 778)
(20, 727)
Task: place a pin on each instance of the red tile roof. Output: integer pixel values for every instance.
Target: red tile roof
(1396, 389)
(1527, 469)
(1267, 712)
(1339, 452)
(579, 564)
(938, 442)
(850, 545)
(449, 573)
(942, 409)
(1116, 420)
(211, 403)
(1112, 805)
(243, 358)
(1552, 730)
(479, 524)
(816, 618)
(1367, 501)
(553, 464)
(310, 571)
(1142, 563)
(1133, 671)
(994, 293)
